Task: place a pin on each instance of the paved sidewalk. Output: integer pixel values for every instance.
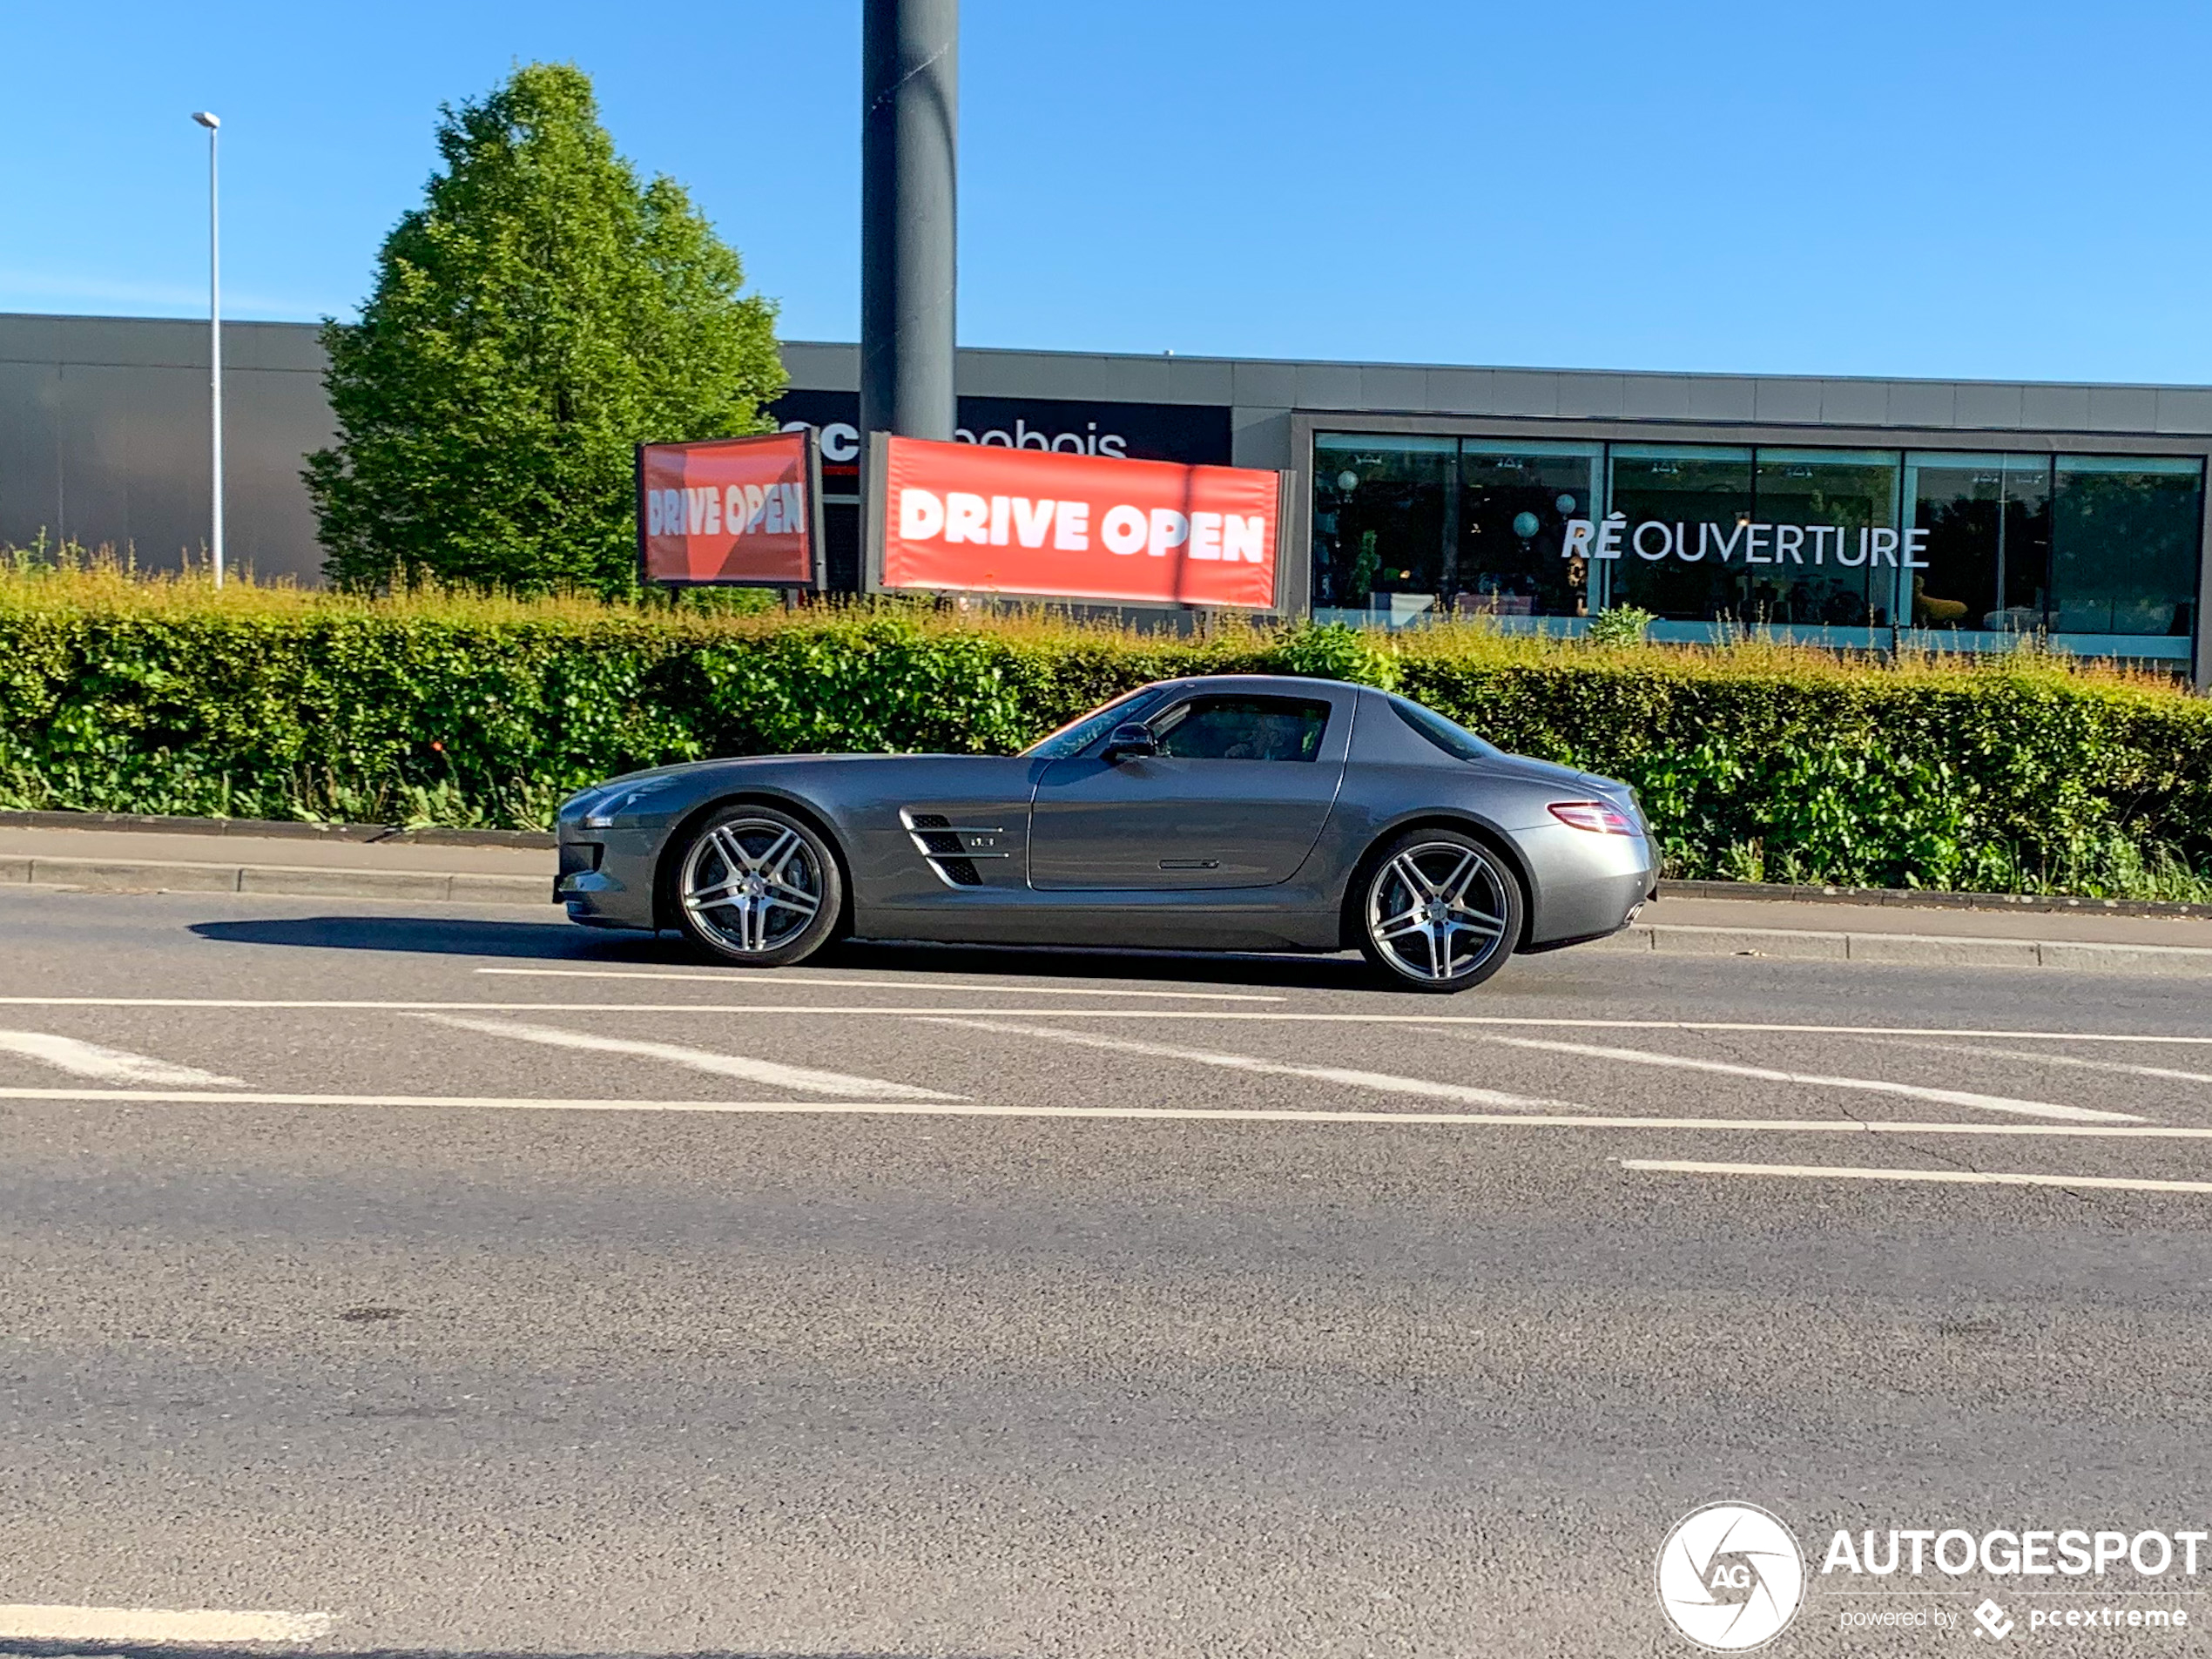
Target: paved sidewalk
(142, 861)
(2079, 926)
(1933, 937)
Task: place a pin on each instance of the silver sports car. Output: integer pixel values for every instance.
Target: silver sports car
(1228, 812)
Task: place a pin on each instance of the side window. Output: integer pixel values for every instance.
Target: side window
(1454, 739)
(1242, 728)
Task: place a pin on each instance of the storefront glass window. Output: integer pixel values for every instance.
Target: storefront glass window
(1836, 573)
(1383, 529)
(2124, 535)
(1689, 484)
(1799, 538)
(2101, 552)
(1987, 545)
(1515, 501)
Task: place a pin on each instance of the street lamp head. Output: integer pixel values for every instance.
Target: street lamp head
(206, 119)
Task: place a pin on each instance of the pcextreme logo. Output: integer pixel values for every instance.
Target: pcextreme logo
(1730, 1577)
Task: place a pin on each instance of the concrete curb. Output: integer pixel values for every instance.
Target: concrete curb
(265, 829)
(1925, 950)
(1930, 898)
(437, 887)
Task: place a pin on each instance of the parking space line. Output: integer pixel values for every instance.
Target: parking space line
(200, 1625)
(1298, 1017)
(1953, 1177)
(1163, 1114)
(108, 1065)
(734, 977)
(1384, 1083)
(772, 1073)
(1819, 1080)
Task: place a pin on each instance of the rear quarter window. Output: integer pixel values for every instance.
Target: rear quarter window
(1452, 739)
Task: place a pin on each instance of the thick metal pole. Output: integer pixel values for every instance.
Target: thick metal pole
(910, 84)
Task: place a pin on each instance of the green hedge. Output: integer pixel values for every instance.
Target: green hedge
(1754, 763)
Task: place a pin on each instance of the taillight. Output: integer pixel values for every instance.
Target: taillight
(1595, 816)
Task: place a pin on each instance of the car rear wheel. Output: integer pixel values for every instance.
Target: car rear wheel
(1439, 911)
(758, 888)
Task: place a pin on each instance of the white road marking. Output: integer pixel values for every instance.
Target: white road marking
(737, 976)
(1299, 1016)
(1382, 1081)
(1820, 1080)
(2119, 1067)
(109, 1065)
(481, 1103)
(1959, 1177)
(1164, 1114)
(25, 1622)
(770, 1072)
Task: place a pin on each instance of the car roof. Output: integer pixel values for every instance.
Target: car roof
(1257, 684)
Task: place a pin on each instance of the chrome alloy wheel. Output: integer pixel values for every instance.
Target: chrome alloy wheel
(754, 884)
(1438, 910)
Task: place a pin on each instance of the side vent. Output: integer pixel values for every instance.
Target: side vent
(939, 838)
(935, 833)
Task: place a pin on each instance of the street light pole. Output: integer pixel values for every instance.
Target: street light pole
(207, 118)
(909, 90)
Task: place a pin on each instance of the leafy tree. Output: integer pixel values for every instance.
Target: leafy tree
(543, 312)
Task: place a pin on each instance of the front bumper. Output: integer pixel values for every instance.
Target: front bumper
(605, 882)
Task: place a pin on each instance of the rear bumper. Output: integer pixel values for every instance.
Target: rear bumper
(1586, 886)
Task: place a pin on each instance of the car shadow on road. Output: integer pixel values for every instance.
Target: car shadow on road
(562, 942)
(434, 936)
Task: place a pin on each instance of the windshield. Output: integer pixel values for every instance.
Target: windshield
(1453, 740)
(1086, 729)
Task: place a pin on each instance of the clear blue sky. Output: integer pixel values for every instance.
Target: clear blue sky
(1948, 189)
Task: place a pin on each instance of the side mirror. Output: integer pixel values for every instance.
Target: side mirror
(1130, 739)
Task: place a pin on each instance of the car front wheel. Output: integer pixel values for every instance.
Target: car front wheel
(1439, 911)
(758, 888)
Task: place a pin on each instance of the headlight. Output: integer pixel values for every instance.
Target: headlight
(595, 808)
(601, 813)
(580, 803)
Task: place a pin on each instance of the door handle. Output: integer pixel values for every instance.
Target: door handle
(1191, 864)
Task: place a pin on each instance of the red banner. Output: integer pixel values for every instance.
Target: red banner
(976, 519)
(735, 510)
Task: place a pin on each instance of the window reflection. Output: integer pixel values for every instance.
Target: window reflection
(1834, 575)
(1515, 501)
(1379, 507)
(2125, 533)
(1988, 547)
(1690, 485)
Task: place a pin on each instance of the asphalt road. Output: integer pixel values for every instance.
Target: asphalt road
(449, 1276)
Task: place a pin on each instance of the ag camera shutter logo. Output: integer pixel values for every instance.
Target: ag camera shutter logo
(1730, 1577)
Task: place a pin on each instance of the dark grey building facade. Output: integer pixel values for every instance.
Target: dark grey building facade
(1850, 512)
(104, 438)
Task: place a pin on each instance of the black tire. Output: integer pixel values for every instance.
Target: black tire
(1437, 910)
(741, 884)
